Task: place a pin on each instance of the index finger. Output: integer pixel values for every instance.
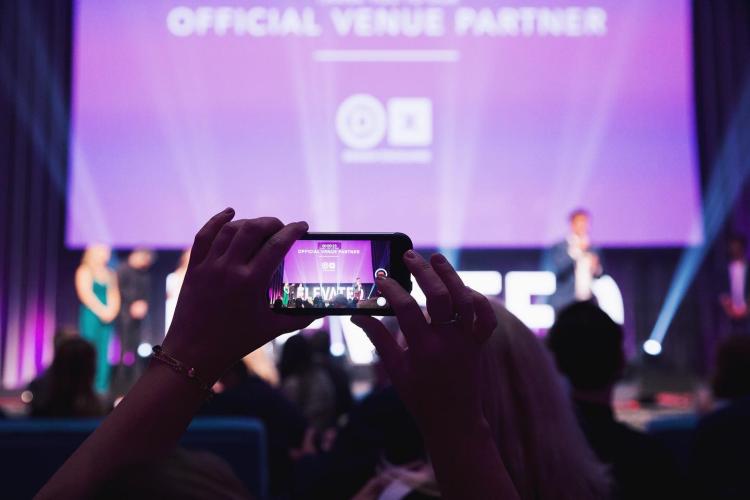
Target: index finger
(410, 317)
(463, 301)
(272, 253)
(204, 238)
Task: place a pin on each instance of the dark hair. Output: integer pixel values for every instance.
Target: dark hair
(151, 254)
(296, 356)
(237, 374)
(578, 211)
(71, 381)
(320, 342)
(732, 377)
(587, 346)
(739, 239)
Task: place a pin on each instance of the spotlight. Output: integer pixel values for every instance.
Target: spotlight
(27, 397)
(652, 347)
(144, 350)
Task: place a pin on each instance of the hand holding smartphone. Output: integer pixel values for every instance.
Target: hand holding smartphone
(336, 274)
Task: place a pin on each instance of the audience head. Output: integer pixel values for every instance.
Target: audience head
(532, 418)
(580, 221)
(96, 255)
(732, 377)
(587, 346)
(296, 356)
(737, 247)
(233, 377)
(340, 301)
(141, 258)
(320, 342)
(71, 381)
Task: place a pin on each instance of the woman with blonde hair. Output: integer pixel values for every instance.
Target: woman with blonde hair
(532, 419)
(96, 287)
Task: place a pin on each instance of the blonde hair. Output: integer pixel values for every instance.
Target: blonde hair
(90, 251)
(532, 418)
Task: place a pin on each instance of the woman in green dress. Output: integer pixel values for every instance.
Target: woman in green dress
(285, 297)
(96, 286)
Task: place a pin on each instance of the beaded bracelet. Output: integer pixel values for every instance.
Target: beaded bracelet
(158, 353)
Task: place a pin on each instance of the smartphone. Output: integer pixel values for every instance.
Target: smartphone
(336, 274)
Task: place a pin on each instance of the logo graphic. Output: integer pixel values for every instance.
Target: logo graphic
(409, 121)
(328, 266)
(360, 121)
(398, 132)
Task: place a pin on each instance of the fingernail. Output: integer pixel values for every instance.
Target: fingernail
(410, 254)
(228, 210)
(307, 226)
(439, 258)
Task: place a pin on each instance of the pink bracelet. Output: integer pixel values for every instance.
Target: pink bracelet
(158, 353)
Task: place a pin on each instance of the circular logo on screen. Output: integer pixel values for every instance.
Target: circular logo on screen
(361, 121)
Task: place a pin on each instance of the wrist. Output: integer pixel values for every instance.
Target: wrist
(207, 364)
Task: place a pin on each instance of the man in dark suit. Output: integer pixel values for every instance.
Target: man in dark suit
(736, 290)
(575, 262)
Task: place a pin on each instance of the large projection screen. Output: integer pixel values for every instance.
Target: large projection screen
(462, 123)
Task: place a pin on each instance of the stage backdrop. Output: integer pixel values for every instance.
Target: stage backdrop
(472, 123)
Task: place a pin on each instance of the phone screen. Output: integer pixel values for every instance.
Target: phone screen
(334, 275)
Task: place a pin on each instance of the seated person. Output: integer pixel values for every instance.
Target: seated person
(245, 394)
(67, 387)
(306, 384)
(720, 461)
(587, 346)
(320, 343)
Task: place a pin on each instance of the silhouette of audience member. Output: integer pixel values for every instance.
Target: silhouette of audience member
(320, 342)
(306, 384)
(67, 388)
(587, 346)
(184, 474)
(379, 432)
(245, 394)
(720, 459)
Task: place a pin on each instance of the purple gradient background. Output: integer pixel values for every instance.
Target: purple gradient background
(306, 269)
(168, 130)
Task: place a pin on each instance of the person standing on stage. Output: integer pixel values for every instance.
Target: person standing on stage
(357, 290)
(575, 262)
(285, 295)
(736, 294)
(135, 289)
(96, 287)
(174, 285)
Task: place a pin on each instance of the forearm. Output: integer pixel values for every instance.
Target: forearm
(147, 423)
(467, 463)
(93, 303)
